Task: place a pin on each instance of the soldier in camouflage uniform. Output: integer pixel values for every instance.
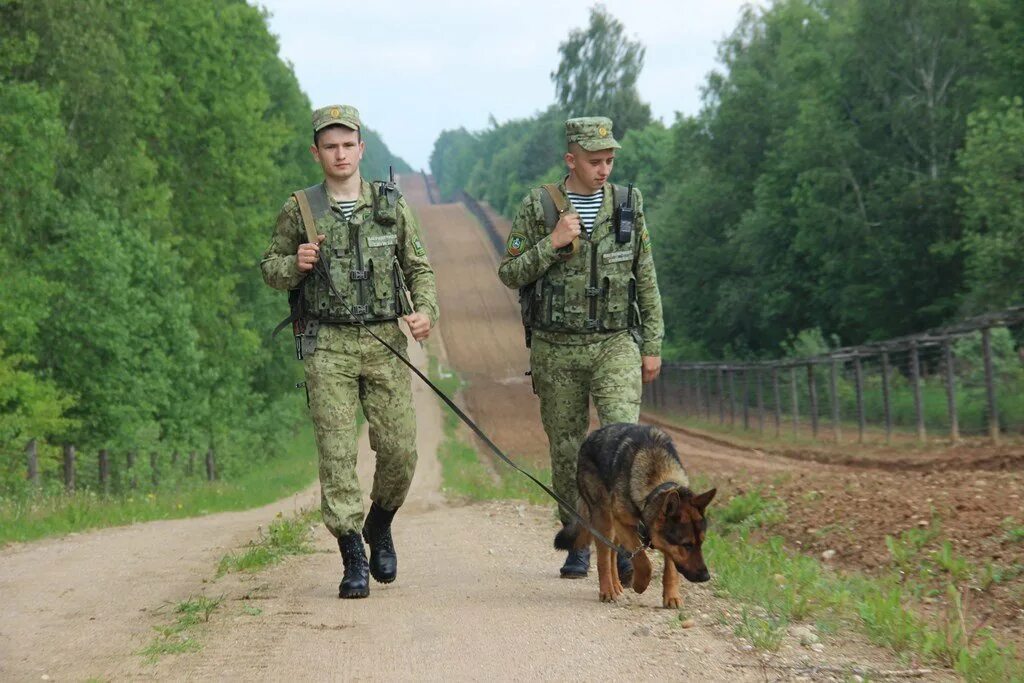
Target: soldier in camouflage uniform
(593, 306)
(370, 242)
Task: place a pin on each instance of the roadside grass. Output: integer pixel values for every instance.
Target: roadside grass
(782, 587)
(38, 516)
(285, 536)
(462, 471)
(179, 636)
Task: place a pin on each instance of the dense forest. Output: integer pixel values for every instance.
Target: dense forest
(856, 172)
(145, 150)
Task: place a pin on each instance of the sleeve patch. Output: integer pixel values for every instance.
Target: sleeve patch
(417, 246)
(645, 240)
(516, 244)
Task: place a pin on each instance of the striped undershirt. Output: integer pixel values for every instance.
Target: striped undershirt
(587, 206)
(346, 208)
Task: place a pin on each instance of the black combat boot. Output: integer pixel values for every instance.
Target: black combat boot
(355, 583)
(625, 566)
(377, 532)
(577, 564)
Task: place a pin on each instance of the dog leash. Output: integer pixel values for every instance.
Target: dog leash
(321, 269)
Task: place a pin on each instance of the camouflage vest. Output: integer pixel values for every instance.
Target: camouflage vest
(362, 252)
(595, 290)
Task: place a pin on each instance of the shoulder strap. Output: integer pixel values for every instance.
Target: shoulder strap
(555, 204)
(618, 195)
(312, 202)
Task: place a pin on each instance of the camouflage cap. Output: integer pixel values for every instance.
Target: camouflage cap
(591, 133)
(344, 114)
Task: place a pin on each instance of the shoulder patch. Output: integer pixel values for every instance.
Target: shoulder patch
(516, 244)
(645, 239)
(417, 246)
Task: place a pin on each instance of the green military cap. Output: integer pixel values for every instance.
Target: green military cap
(591, 133)
(344, 114)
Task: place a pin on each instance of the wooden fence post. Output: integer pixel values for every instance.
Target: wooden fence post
(732, 396)
(837, 432)
(721, 396)
(191, 463)
(707, 395)
(153, 473)
(746, 397)
(915, 380)
(886, 404)
(211, 470)
(104, 467)
(69, 468)
(813, 390)
(795, 401)
(32, 455)
(698, 393)
(858, 379)
(133, 481)
(778, 401)
(954, 420)
(760, 400)
(990, 386)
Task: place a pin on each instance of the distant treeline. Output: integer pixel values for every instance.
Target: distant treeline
(856, 173)
(145, 150)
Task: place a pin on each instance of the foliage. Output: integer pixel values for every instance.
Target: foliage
(855, 170)
(146, 151)
(597, 73)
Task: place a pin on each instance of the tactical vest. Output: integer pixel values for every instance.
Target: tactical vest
(595, 290)
(362, 254)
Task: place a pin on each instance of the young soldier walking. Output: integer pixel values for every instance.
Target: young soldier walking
(580, 254)
(367, 239)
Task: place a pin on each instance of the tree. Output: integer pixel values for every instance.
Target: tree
(598, 72)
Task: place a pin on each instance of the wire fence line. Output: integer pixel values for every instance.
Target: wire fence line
(962, 379)
(966, 378)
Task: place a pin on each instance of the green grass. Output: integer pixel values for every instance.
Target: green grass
(285, 536)
(786, 587)
(462, 472)
(179, 636)
(32, 517)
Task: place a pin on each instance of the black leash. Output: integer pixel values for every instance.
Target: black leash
(321, 269)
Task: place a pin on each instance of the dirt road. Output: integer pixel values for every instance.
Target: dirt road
(477, 596)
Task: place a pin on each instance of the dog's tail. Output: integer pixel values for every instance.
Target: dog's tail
(574, 536)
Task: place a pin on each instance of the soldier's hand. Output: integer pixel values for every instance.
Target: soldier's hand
(650, 368)
(419, 325)
(566, 230)
(308, 254)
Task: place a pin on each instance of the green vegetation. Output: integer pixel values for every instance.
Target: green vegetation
(855, 172)
(462, 471)
(147, 150)
(179, 636)
(27, 517)
(285, 536)
(781, 587)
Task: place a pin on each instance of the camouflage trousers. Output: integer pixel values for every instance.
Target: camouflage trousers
(566, 377)
(350, 366)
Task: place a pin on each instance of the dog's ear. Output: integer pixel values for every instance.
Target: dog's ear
(700, 502)
(670, 503)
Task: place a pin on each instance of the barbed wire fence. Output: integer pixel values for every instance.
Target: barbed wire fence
(962, 379)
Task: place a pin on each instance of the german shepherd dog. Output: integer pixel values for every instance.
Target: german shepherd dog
(634, 490)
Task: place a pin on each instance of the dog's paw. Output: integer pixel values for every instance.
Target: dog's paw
(608, 597)
(672, 602)
(617, 589)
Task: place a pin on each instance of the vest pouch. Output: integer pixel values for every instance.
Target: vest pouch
(341, 266)
(379, 257)
(618, 304)
(385, 203)
(551, 305)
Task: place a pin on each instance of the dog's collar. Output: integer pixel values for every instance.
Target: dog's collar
(641, 526)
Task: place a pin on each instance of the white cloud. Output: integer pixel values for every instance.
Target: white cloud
(416, 68)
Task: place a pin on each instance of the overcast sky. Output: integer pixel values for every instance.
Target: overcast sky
(414, 69)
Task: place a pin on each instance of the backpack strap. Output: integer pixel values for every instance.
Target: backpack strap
(555, 206)
(303, 199)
